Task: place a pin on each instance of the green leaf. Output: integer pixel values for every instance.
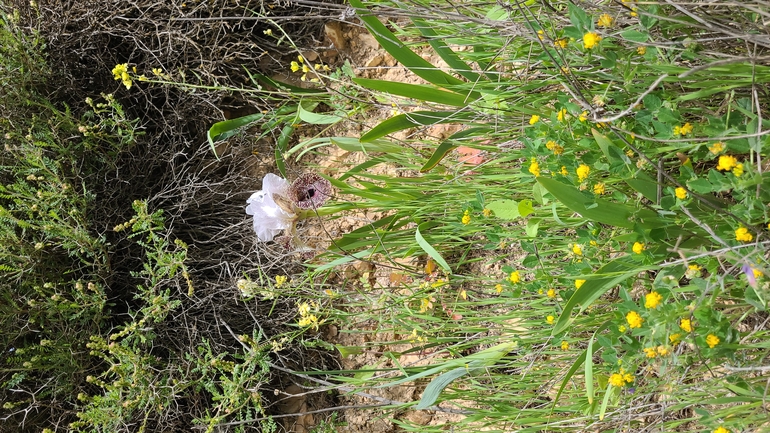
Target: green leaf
(415, 63)
(600, 210)
(644, 185)
(434, 388)
(352, 144)
(422, 92)
(589, 371)
(447, 54)
(317, 119)
(525, 208)
(227, 128)
(634, 36)
(504, 209)
(428, 248)
(578, 362)
(411, 120)
(532, 226)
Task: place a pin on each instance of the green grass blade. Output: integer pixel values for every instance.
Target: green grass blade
(428, 248)
(401, 52)
(412, 120)
(447, 54)
(434, 388)
(227, 128)
(578, 362)
(420, 92)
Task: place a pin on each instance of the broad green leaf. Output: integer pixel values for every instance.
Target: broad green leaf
(634, 36)
(434, 388)
(428, 248)
(601, 210)
(610, 151)
(645, 185)
(422, 92)
(411, 120)
(525, 208)
(316, 118)
(280, 148)
(227, 128)
(504, 209)
(532, 227)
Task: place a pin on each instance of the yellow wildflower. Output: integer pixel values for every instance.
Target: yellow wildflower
(515, 277)
(466, 217)
(582, 172)
(742, 234)
(717, 147)
(540, 34)
(295, 66)
(638, 247)
(498, 288)
(590, 40)
(721, 429)
(426, 304)
(674, 338)
(550, 320)
(634, 320)
(487, 212)
(310, 321)
(303, 309)
(652, 299)
(599, 188)
(604, 20)
(621, 329)
(712, 340)
(577, 250)
(564, 345)
(641, 50)
(583, 116)
(616, 379)
(551, 293)
(120, 72)
(650, 352)
(683, 130)
(280, 280)
(738, 170)
(628, 377)
(157, 72)
(564, 172)
(726, 163)
(561, 114)
(579, 283)
(662, 350)
(560, 43)
(534, 168)
(693, 271)
(680, 193)
(534, 119)
(685, 325)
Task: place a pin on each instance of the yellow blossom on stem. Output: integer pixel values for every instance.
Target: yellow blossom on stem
(662, 350)
(515, 277)
(498, 288)
(577, 250)
(634, 319)
(583, 116)
(605, 20)
(280, 280)
(742, 234)
(738, 170)
(487, 212)
(599, 188)
(295, 66)
(534, 119)
(561, 115)
(534, 168)
(680, 193)
(560, 43)
(726, 163)
(717, 147)
(683, 130)
(712, 340)
(652, 300)
(550, 320)
(564, 345)
(466, 219)
(685, 325)
(551, 293)
(628, 377)
(582, 172)
(674, 338)
(641, 50)
(638, 248)
(693, 271)
(590, 40)
(564, 172)
(579, 283)
(721, 429)
(650, 352)
(622, 328)
(616, 379)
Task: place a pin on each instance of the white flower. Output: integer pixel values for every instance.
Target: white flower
(269, 218)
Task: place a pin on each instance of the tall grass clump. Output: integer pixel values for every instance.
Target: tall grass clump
(599, 261)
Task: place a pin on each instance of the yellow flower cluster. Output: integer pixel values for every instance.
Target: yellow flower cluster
(582, 172)
(680, 193)
(742, 234)
(693, 271)
(685, 325)
(561, 43)
(579, 283)
(554, 147)
(717, 148)
(590, 40)
(534, 119)
(120, 72)
(561, 114)
(641, 50)
(726, 163)
(577, 250)
(652, 300)
(634, 319)
(564, 345)
(683, 130)
(604, 20)
(550, 319)
(721, 429)
(638, 247)
(712, 340)
(300, 65)
(280, 280)
(307, 318)
(515, 277)
(621, 379)
(534, 168)
(599, 188)
(551, 293)
(466, 217)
